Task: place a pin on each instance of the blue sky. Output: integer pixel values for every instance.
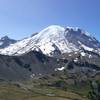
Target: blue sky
(21, 18)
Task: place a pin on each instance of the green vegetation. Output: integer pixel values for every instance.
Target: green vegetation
(51, 87)
(19, 91)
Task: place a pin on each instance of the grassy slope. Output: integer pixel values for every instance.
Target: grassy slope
(12, 91)
(40, 89)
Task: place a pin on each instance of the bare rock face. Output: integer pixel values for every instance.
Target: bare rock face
(6, 41)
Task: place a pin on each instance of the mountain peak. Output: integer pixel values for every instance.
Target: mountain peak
(54, 26)
(58, 28)
(51, 31)
(4, 37)
(6, 41)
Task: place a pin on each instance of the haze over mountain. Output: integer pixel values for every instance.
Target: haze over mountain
(22, 18)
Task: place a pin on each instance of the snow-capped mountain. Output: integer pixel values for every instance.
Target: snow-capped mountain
(55, 40)
(6, 41)
(52, 50)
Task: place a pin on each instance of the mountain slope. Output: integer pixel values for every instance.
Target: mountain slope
(35, 64)
(55, 40)
(26, 66)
